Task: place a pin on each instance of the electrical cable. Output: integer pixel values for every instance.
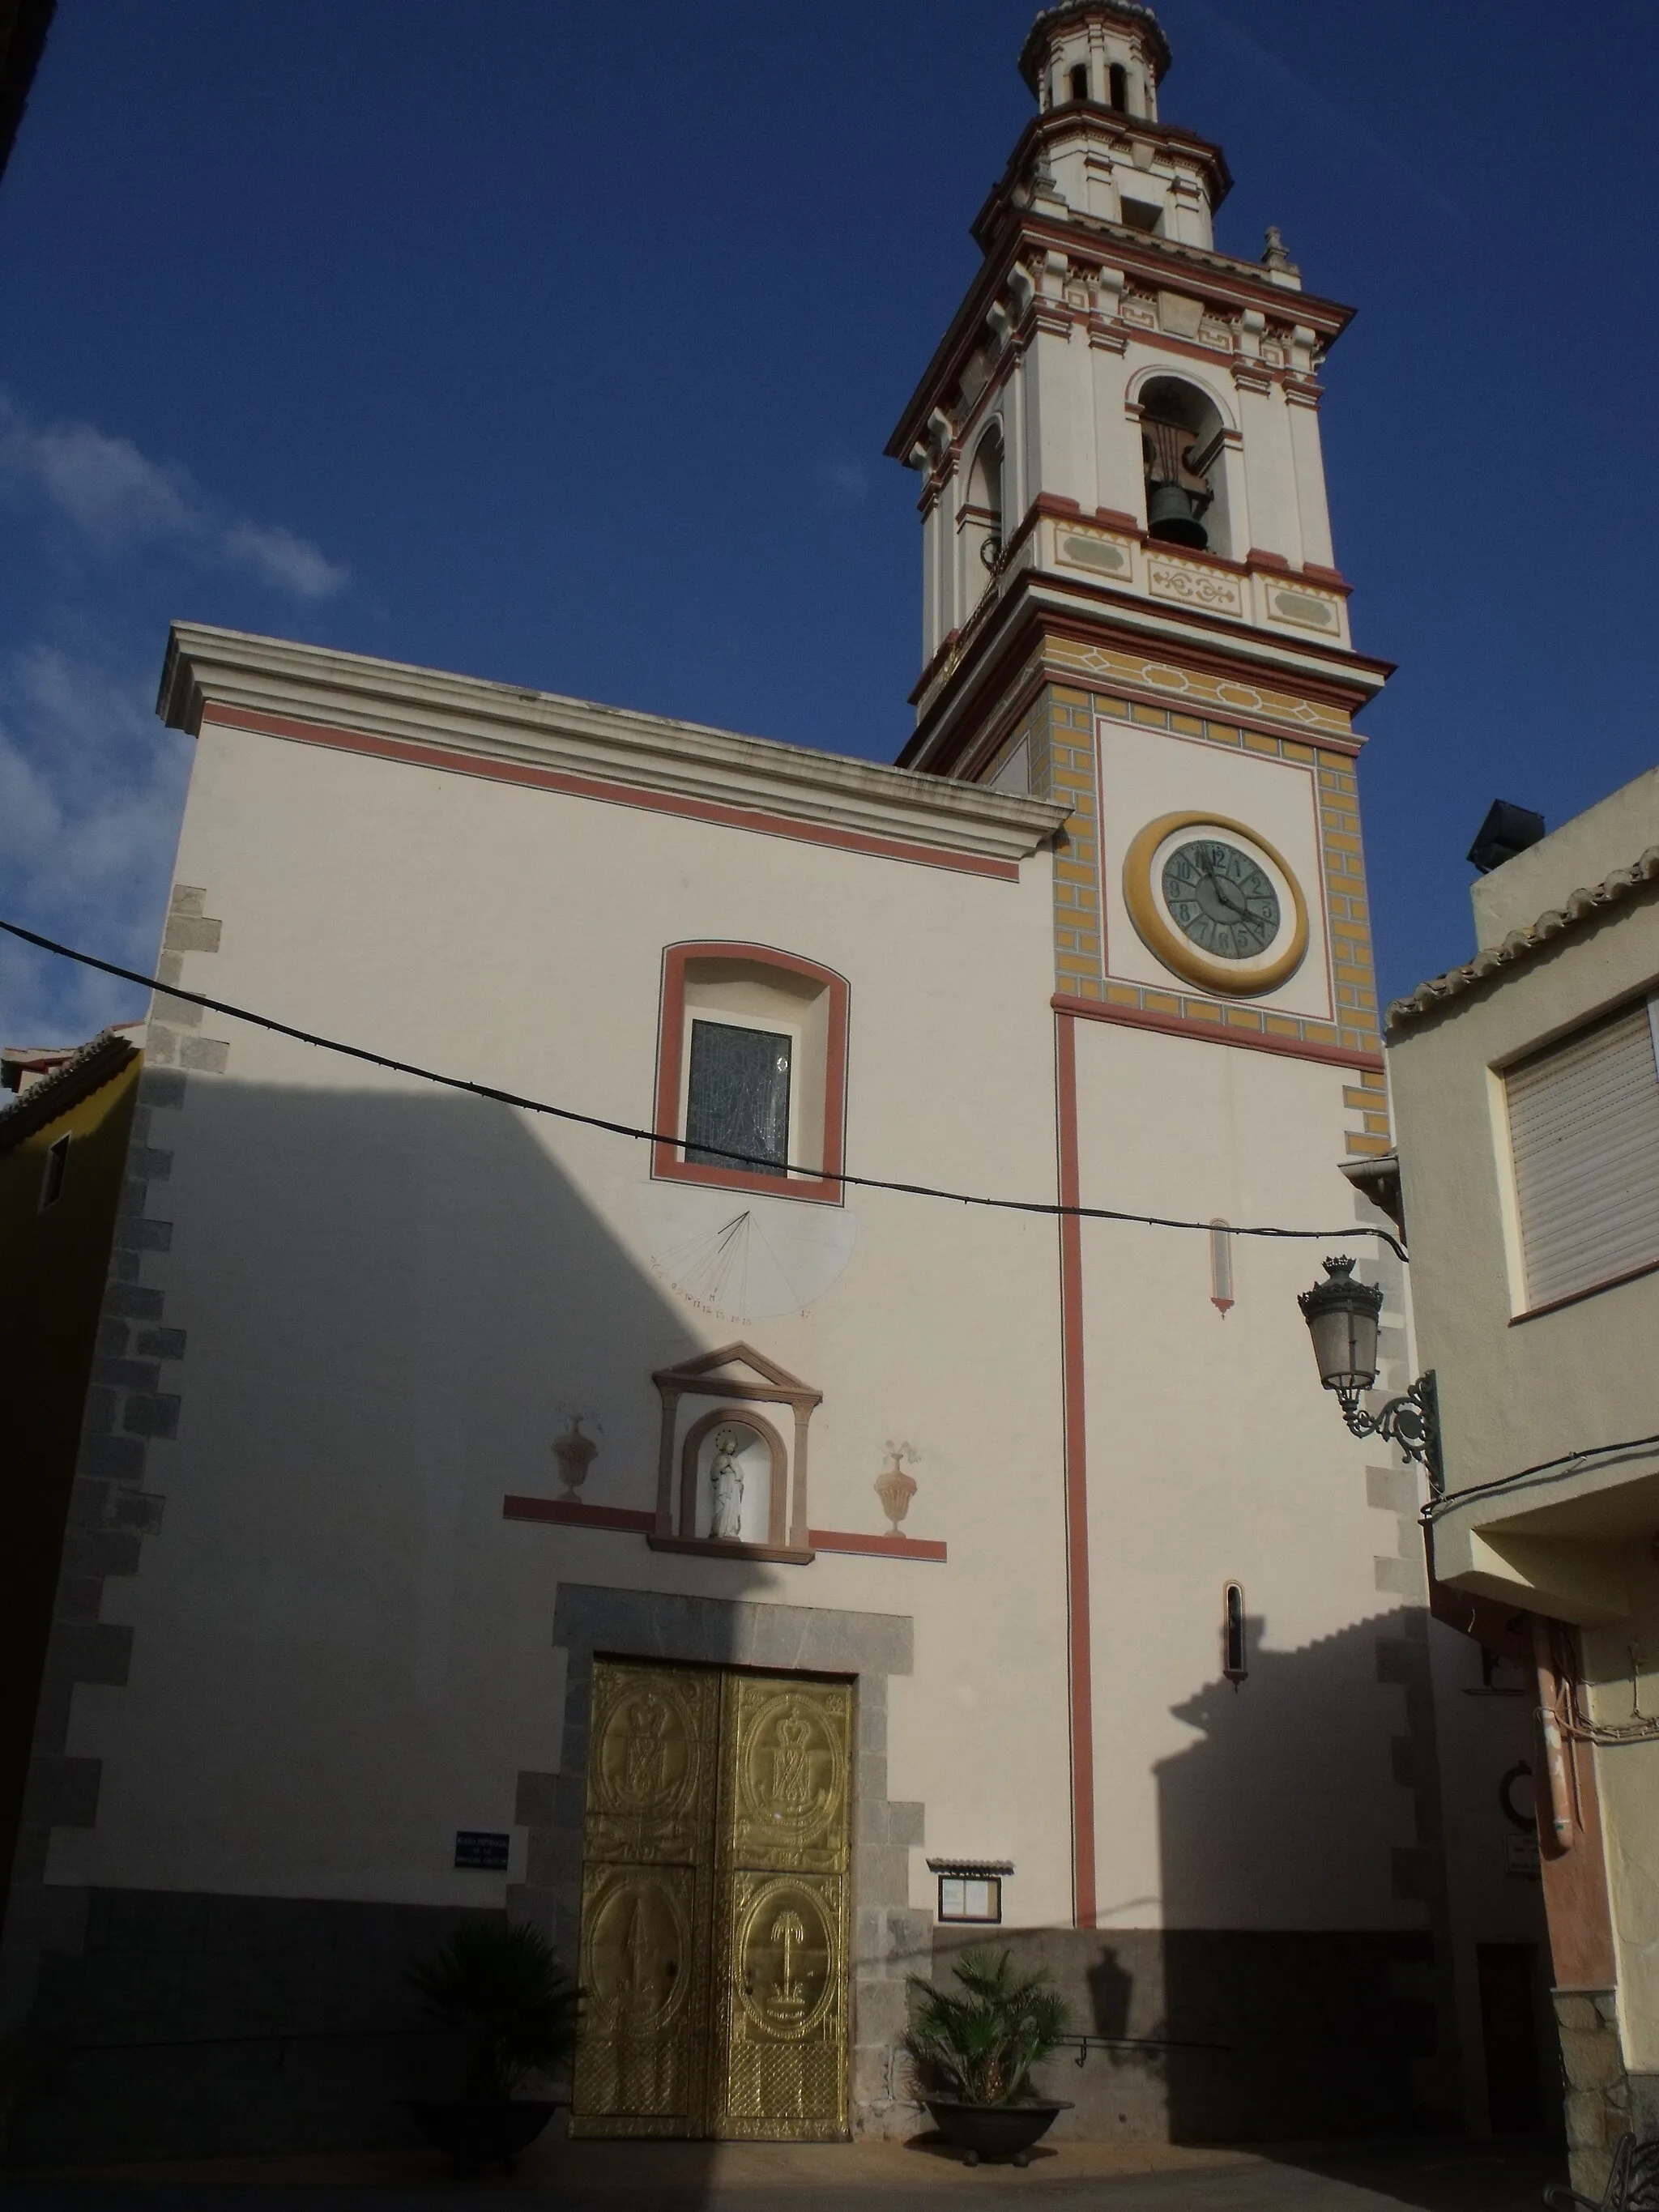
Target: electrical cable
(1547, 1470)
(659, 1137)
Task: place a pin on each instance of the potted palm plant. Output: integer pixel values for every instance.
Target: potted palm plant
(501, 1986)
(972, 2050)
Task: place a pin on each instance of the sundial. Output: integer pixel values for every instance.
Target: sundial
(744, 1257)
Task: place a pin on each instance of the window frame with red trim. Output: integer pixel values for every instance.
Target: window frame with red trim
(821, 1185)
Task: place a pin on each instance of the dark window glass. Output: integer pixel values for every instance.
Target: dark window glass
(52, 1184)
(1120, 86)
(1080, 82)
(1236, 1666)
(739, 1098)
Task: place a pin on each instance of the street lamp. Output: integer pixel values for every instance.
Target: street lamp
(1342, 1317)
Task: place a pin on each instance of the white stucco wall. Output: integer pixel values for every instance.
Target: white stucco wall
(1215, 1457)
(342, 1654)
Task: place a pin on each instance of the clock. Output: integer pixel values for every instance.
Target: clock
(1216, 903)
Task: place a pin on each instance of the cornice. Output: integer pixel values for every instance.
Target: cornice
(945, 733)
(1161, 265)
(1194, 268)
(470, 717)
(1110, 122)
(1095, 613)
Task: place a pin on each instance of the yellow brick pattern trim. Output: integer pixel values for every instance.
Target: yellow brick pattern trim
(1206, 693)
(1059, 733)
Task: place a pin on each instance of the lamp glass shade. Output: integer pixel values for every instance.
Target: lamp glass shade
(1342, 1317)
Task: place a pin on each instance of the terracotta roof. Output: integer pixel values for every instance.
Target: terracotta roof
(76, 1078)
(1522, 943)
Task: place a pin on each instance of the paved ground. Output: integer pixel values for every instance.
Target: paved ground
(1447, 2177)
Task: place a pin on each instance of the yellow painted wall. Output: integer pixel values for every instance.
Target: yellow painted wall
(52, 1266)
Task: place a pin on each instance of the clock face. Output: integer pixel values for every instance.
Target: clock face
(1216, 904)
(1220, 898)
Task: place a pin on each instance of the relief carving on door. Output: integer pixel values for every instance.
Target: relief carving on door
(715, 1905)
(647, 1897)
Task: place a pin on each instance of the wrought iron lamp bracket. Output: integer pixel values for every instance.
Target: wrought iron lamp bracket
(1412, 1422)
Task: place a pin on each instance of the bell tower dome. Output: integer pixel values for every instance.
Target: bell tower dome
(1113, 53)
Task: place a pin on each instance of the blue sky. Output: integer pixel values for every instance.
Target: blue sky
(560, 343)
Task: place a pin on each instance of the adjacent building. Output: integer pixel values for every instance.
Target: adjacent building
(659, 1515)
(64, 1153)
(1526, 1087)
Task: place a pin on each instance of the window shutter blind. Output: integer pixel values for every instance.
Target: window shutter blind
(1584, 1132)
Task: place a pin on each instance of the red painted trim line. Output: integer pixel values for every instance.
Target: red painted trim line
(875, 1548)
(576, 1513)
(666, 1163)
(613, 794)
(622, 1520)
(1142, 1017)
(1079, 1652)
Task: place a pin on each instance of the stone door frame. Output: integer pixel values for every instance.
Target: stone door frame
(889, 1938)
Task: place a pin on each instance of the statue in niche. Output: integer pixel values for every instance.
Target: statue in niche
(725, 1487)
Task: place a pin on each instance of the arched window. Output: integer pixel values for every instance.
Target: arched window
(751, 1071)
(1080, 81)
(1235, 1654)
(1183, 436)
(1120, 88)
(982, 513)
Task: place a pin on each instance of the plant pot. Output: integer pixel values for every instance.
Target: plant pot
(994, 2131)
(482, 2132)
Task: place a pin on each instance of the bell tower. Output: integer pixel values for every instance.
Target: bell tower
(1123, 496)
(1131, 604)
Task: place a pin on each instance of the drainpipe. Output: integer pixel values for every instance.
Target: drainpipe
(1555, 1762)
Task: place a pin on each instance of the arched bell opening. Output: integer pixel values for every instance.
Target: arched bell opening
(1183, 436)
(981, 515)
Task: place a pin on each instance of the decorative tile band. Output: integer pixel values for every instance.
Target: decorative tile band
(1203, 691)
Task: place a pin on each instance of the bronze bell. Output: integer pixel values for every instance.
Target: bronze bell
(1173, 515)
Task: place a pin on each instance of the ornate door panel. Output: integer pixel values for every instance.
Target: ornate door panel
(780, 2068)
(647, 1901)
(713, 1947)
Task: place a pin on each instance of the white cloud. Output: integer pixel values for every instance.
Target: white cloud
(104, 485)
(91, 790)
(119, 500)
(292, 564)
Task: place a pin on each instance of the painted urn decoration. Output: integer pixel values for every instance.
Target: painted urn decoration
(575, 1454)
(894, 1486)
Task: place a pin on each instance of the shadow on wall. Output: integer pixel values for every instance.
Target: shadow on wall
(384, 1295)
(1244, 2019)
(1355, 2028)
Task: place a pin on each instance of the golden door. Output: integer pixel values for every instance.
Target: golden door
(714, 1905)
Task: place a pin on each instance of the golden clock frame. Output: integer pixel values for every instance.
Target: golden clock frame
(1233, 979)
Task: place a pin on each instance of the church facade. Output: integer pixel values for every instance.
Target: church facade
(765, 1575)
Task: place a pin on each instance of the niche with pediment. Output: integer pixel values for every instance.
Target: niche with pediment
(731, 1470)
